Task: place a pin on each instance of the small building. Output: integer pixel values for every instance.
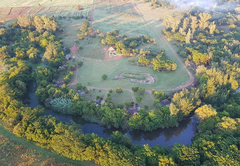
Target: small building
(112, 51)
(98, 101)
(80, 92)
(165, 102)
(59, 83)
(63, 66)
(132, 111)
(67, 57)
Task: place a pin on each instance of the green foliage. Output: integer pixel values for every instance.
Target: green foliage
(138, 99)
(184, 102)
(135, 89)
(119, 90)
(104, 76)
(143, 60)
(186, 155)
(205, 112)
(160, 65)
(61, 105)
(152, 120)
(111, 40)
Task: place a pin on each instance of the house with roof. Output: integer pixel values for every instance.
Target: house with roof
(132, 110)
(165, 102)
(67, 57)
(59, 83)
(80, 92)
(63, 66)
(112, 51)
(98, 101)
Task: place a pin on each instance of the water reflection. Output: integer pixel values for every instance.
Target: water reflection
(164, 137)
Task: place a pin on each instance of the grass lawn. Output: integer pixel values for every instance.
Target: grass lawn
(146, 100)
(92, 48)
(18, 151)
(91, 71)
(121, 98)
(93, 94)
(70, 28)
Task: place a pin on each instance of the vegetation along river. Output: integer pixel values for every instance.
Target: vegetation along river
(163, 137)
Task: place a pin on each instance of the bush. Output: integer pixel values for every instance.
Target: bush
(104, 76)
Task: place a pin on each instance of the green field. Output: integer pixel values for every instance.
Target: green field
(92, 95)
(121, 98)
(92, 48)
(146, 100)
(91, 71)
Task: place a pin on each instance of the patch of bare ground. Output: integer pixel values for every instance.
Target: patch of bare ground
(149, 79)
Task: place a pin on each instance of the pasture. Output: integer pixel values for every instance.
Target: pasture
(92, 71)
(121, 98)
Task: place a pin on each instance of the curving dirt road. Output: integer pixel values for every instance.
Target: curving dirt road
(191, 81)
(162, 37)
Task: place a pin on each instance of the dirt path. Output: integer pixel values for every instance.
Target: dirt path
(191, 81)
(162, 37)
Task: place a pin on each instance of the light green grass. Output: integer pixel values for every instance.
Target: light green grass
(42, 151)
(121, 98)
(92, 48)
(91, 71)
(146, 100)
(92, 95)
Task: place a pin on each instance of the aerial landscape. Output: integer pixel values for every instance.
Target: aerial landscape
(120, 82)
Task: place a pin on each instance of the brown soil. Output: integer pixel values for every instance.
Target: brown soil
(149, 78)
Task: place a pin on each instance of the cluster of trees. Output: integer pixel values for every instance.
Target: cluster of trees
(184, 102)
(129, 44)
(158, 63)
(85, 31)
(184, 30)
(152, 120)
(41, 23)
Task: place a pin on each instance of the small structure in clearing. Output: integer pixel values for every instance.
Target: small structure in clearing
(98, 101)
(165, 102)
(112, 51)
(63, 66)
(80, 92)
(59, 83)
(67, 57)
(132, 110)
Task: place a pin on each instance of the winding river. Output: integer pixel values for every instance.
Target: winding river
(163, 137)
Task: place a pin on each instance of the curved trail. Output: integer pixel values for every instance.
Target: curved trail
(191, 81)
(162, 37)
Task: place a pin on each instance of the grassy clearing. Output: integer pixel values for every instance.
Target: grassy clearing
(121, 98)
(112, 16)
(146, 100)
(91, 71)
(71, 28)
(18, 151)
(92, 48)
(93, 94)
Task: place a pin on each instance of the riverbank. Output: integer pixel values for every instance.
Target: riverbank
(167, 137)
